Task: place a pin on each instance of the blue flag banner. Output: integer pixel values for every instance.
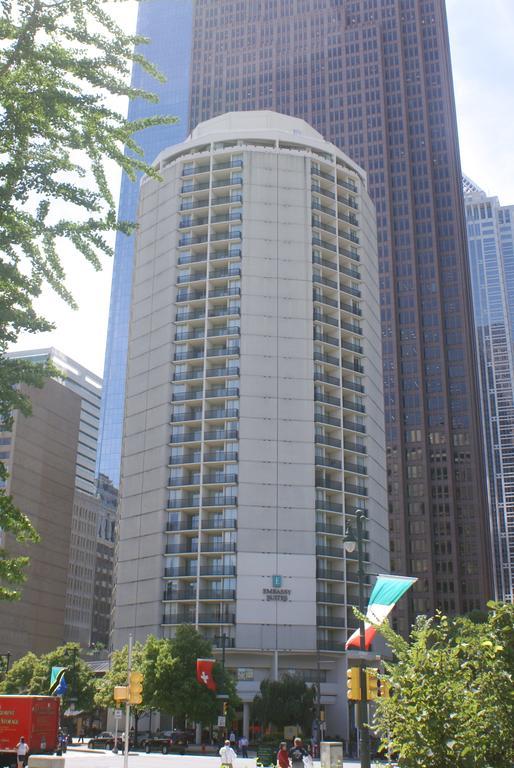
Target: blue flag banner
(58, 686)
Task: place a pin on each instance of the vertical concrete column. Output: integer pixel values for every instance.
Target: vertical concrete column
(246, 719)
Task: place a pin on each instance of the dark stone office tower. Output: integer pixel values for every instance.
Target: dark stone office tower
(374, 77)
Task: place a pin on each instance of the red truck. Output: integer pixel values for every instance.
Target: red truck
(36, 718)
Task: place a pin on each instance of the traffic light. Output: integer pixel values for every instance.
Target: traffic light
(353, 683)
(372, 684)
(120, 693)
(225, 708)
(135, 692)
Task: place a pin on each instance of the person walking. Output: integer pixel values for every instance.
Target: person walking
(243, 746)
(227, 754)
(297, 753)
(22, 751)
(283, 756)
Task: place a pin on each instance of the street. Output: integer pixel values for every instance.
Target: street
(99, 759)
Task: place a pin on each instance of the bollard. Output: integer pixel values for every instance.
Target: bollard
(45, 761)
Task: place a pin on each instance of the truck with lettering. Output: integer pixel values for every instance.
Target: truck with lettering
(36, 718)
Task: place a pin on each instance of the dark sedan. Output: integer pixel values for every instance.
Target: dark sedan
(174, 742)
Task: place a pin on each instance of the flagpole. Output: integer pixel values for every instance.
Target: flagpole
(127, 707)
(362, 704)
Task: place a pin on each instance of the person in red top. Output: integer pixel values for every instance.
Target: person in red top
(283, 756)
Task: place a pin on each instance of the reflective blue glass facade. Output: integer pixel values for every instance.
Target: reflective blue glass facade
(168, 25)
(491, 252)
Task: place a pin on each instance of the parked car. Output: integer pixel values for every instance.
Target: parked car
(166, 742)
(104, 740)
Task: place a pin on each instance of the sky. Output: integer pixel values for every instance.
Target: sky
(481, 38)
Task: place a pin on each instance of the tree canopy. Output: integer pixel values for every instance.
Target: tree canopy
(452, 695)
(61, 64)
(169, 682)
(31, 674)
(288, 701)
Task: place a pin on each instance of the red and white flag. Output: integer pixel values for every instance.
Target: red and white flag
(204, 674)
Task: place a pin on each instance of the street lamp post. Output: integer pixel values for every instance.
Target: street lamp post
(350, 542)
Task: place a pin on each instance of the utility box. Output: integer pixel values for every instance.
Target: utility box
(331, 754)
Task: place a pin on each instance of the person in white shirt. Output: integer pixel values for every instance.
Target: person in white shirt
(22, 750)
(227, 754)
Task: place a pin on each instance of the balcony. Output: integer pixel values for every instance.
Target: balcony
(218, 547)
(352, 406)
(194, 373)
(191, 436)
(324, 440)
(178, 572)
(323, 482)
(215, 524)
(353, 385)
(321, 418)
(229, 253)
(220, 456)
(221, 372)
(326, 379)
(205, 618)
(356, 490)
(331, 645)
(227, 291)
(324, 244)
(219, 478)
(324, 461)
(215, 392)
(317, 172)
(349, 185)
(189, 314)
(218, 500)
(217, 570)
(331, 621)
(318, 207)
(225, 330)
(226, 165)
(322, 191)
(224, 311)
(355, 447)
(186, 502)
(331, 530)
(222, 351)
(328, 506)
(349, 201)
(221, 413)
(229, 182)
(178, 397)
(185, 258)
(216, 594)
(321, 397)
(358, 469)
(330, 575)
(324, 551)
(354, 426)
(327, 597)
(221, 434)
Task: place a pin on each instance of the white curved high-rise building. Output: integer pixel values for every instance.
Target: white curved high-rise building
(254, 416)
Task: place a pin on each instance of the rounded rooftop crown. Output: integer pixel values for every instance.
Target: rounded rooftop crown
(252, 123)
(260, 126)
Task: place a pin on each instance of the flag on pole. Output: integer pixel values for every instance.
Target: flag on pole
(386, 593)
(204, 668)
(58, 686)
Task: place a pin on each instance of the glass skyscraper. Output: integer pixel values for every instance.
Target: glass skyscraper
(168, 26)
(373, 77)
(491, 253)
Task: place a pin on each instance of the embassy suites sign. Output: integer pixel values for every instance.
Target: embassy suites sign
(276, 593)
(273, 593)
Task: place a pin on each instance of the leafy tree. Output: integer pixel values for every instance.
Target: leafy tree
(31, 674)
(288, 701)
(169, 677)
(182, 694)
(61, 62)
(452, 702)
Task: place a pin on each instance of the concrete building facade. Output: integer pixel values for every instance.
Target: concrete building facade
(491, 254)
(254, 406)
(41, 453)
(374, 77)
